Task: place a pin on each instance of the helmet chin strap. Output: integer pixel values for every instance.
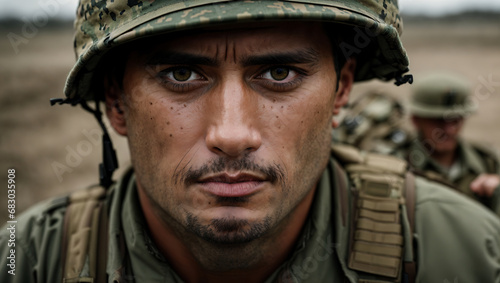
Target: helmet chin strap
(403, 79)
(109, 161)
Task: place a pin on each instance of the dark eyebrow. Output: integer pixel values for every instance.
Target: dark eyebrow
(180, 58)
(297, 57)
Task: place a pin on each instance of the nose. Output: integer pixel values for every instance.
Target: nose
(232, 130)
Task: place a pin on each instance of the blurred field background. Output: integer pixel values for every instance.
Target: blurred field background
(35, 137)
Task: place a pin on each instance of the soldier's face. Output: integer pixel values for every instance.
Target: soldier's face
(229, 130)
(441, 135)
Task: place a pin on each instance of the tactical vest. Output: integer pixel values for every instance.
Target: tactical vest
(381, 229)
(381, 236)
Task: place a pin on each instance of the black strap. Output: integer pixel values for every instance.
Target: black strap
(109, 161)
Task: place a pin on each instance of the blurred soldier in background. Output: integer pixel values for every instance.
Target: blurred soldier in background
(439, 105)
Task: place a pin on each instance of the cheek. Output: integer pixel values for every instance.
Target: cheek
(160, 132)
(312, 116)
(300, 130)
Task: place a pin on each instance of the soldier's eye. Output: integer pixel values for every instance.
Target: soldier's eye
(181, 78)
(279, 73)
(181, 74)
(281, 78)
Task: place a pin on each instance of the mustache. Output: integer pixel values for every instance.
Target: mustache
(274, 173)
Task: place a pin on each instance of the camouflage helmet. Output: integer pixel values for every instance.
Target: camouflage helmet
(102, 25)
(441, 95)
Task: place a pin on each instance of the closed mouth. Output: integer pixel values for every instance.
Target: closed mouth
(232, 185)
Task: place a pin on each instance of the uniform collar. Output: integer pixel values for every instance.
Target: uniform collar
(314, 257)
(145, 257)
(135, 245)
(115, 264)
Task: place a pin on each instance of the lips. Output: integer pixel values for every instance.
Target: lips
(232, 185)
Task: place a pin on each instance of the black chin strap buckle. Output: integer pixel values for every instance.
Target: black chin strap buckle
(61, 101)
(403, 79)
(54, 101)
(109, 162)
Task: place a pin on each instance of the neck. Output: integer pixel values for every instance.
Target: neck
(196, 260)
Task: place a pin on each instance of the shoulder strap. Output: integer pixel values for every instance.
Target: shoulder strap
(382, 186)
(85, 233)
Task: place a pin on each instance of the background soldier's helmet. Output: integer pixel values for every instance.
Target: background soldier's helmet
(104, 25)
(441, 95)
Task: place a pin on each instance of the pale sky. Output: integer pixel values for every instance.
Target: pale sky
(440, 7)
(66, 8)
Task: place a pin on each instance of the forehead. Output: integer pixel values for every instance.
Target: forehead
(242, 38)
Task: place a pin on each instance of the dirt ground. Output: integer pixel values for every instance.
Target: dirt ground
(38, 140)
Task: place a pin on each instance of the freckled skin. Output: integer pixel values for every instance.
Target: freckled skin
(229, 112)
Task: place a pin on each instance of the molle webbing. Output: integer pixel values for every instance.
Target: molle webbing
(85, 234)
(377, 236)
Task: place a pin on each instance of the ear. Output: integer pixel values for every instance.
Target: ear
(344, 88)
(115, 106)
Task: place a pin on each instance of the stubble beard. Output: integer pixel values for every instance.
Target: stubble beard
(224, 243)
(229, 230)
(228, 243)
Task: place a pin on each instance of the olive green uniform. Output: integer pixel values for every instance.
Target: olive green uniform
(451, 244)
(472, 160)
